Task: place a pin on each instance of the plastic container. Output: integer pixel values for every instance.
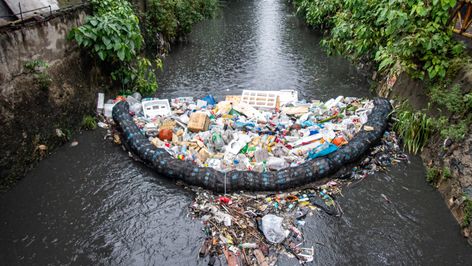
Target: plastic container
(100, 102)
(153, 108)
(107, 109)
(286, 96)
(261, 99)
(275, 163)
(249, 245)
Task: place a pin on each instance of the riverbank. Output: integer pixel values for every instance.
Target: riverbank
(417, 61)
(448, 161)
(49, 83)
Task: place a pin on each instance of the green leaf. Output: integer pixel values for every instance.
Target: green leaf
(121, 54)
(102, 55)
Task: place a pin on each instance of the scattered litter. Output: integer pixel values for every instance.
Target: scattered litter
(60, 133)
(251, 229)
(102, 125)
(74, 143)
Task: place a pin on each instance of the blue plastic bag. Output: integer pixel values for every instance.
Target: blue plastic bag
(322, 150)
(209, 99)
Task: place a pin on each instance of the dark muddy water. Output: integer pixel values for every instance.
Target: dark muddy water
(92, 204)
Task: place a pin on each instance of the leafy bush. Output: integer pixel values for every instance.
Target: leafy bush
(433, 175)
(415, 128)
(38, 69)
(467, 212)
(112, 33)
(449, 129)
(318, 13)
(451, 98)
(406, 33)
(139, 75)
(88, 123)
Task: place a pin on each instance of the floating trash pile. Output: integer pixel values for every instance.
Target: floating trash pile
(253, 229)
(256, 131)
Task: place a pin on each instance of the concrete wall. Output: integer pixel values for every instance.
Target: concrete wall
(30, 114)
(43, 40)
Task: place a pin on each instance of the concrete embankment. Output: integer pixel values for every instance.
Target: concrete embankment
(46, 85)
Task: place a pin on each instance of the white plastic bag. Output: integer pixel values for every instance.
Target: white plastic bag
(272, 228)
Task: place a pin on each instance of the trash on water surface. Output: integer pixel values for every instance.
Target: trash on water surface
(255, 228)
(255, 131)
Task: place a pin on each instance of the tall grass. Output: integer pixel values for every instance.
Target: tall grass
(415, 128)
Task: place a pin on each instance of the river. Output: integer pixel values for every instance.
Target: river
(92, 204)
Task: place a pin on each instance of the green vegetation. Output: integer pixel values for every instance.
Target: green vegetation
(434, 174)
(402, 35)
(173, 18)
(409, 34)
(138, 75)
(114, 34)
(88, 123)
(414, 127)
(38, 69)
(467, 212)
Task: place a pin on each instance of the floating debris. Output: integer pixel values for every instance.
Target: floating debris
(251, 229)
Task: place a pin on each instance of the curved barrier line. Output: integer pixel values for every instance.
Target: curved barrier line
(207, 177)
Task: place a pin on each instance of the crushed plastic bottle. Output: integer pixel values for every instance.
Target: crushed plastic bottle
(218, 141)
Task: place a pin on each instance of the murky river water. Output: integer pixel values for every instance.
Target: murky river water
(92, 204)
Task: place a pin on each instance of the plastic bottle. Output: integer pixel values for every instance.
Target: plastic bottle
(241, 162)
(275, 163)
(218, 141)
(137, 96)
(248, 245)
(261, 155)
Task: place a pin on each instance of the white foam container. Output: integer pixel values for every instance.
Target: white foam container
(286, 96)
(107, 109)
(153, 108)
(260, 99)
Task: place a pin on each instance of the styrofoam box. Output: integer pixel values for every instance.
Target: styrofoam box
(153, 108)
(260, 99)
(286, 96)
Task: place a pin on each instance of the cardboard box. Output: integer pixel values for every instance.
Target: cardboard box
(198, 121)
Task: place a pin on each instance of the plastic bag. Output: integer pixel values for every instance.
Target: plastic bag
(274, 163)
(272, 228)
(322, 150)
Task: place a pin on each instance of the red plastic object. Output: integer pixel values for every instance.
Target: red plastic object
(120, 98)
(224, 200)
(165, 134)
